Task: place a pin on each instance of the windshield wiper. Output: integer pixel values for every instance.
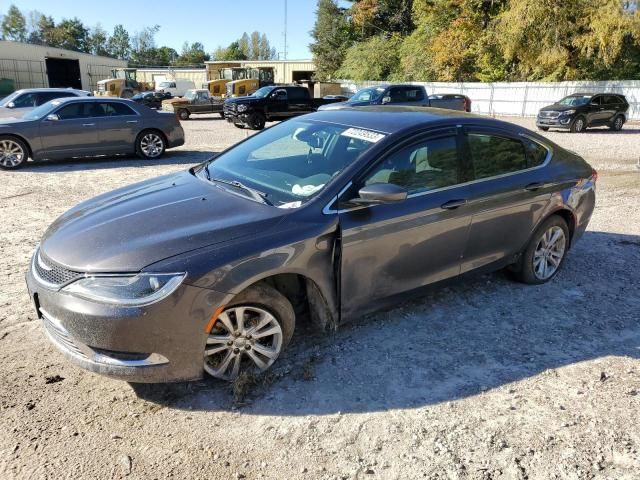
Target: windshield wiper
(255, 194)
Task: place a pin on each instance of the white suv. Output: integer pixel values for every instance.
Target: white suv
(21, 101)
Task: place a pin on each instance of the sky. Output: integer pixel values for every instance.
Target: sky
(212, 22)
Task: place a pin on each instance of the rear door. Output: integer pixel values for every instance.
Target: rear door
(299, 101)
(393, 248)
(118, 126)
(609, 102)
(74, 134)
(597, 114)
(508, 193)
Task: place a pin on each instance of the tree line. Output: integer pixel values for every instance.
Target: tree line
(137, 48)
(476, 40)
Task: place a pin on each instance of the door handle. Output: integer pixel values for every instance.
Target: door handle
(532, 187)
(453, 204)
(88, 124)
(132, 121)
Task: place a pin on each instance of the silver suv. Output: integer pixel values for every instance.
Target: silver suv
(21, 101)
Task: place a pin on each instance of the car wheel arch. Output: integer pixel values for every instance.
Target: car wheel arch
(305, 294)
(23, 140)
(154, 130)
(563, 212)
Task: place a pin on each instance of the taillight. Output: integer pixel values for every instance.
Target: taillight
(594, 175)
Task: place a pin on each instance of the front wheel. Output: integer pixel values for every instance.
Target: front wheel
(257, 121)
(250, 333)
(579, 125)
(544, 129)
(221, 115)
(150, 145)
(545, 252)
(13, 153)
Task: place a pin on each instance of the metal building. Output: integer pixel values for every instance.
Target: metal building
(285, 71)
(34, 66)
(158, 74)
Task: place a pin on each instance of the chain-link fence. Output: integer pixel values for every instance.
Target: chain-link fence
(522, 98)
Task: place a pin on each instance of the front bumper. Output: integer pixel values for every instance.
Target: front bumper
(161, 342)
(559, 122)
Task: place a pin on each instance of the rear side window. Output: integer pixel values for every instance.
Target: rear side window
(492, 155)
(536, 153)
(112, 109)
(44, 97)
(425, 166)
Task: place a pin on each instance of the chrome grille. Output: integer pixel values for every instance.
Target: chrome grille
(51, 273)
(549, 114)
(59, 335)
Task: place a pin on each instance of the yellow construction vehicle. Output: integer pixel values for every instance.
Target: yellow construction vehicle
(254, 79)
(216, 86)
(123, 84)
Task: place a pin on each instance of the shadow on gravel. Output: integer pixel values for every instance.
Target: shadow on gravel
(449, 344)
(602, 130)
(172, 157)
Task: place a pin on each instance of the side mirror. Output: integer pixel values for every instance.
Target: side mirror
(380, 193)
(595, 104)
(11, 105)
(52, 117)
(386, 100)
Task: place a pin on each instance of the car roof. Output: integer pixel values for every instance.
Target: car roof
(385, 119)
(53, 89)
(91, 99)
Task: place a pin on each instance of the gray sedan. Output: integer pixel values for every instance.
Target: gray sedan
(321, 218)
(87, 127)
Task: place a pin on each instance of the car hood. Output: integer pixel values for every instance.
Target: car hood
(13, 112)
(135, 226)
(245, 99)
(557, 107)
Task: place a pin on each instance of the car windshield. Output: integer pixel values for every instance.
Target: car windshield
(290, 163)
(262, 92)
(190, 95)
(367, 95)
(575, 100)
(41, 111)
(10, 98)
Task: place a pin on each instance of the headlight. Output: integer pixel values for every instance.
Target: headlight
(568, 112)
(130, 290)
(242, 107)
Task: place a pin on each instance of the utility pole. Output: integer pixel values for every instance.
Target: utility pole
(285, 29)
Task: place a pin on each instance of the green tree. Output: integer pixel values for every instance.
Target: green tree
(331, 39)
(266, 51)
(375, 17)
(244, 44)
(71, 34)
(232, 52)
(97, 41)
(374, 59)
(165, 56)
(143, 46)
(118, 43)
(14, 25)
(193, 54)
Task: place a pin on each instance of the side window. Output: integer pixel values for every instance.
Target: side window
(429, 165)
(492, 155)
(111, 109)
(172, 85)
(597, 100)
(44, 97)
(26, 100)
(414, 94)
(396, 94)
(536, 153)
(72, 111)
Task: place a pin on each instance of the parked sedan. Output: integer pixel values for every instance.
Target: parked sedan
(25, 100)
(87, 127)
(324, 217)
(579, 111)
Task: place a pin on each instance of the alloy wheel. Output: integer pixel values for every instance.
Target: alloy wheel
(243, 337)
(579, 125)
(618, 123)
(151, 145)
(549, 253)
(11, 154)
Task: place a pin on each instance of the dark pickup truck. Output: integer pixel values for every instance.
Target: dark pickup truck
(409, 95)
(271, 103)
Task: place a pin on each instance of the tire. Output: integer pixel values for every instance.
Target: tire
(579, 125)
(544, 129)
(14, 153)
(617, 123)
(150, 144)
(257, 121)
(239, 125)
(222, 115)
(127, 94)
(183, 114)
(233, 348)
(530, 269)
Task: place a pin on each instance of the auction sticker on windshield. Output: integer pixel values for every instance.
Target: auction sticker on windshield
(361, 134)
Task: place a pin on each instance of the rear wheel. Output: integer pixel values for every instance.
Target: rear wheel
(545, 252)
(617, 124)
(250, 333)
(544, 129)
(150, 144)
(579, 125)
(13, 152)
(222, 115)
(239, 125)
(183, 114)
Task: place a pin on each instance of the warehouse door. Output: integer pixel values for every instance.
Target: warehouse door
(63, 73)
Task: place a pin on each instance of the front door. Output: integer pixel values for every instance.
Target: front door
(278, 103)
(393, 248)
(507, 196)
(73, 134)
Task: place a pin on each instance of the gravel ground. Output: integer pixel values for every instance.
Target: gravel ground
(487, 379)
